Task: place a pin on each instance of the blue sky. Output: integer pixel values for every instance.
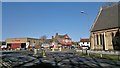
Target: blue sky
(35, 19)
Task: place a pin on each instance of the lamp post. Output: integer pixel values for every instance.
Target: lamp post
(83, 12)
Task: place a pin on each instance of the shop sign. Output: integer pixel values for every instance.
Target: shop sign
(15, 40)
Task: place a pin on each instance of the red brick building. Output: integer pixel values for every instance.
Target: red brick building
(63, 40)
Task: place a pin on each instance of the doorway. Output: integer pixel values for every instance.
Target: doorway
(103, 40)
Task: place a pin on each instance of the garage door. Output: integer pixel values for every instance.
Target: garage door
(15, 45)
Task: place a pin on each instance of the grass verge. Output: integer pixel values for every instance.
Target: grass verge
(111, 57)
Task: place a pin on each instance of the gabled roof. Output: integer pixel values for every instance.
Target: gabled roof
(85, 40)
(107, 18)
(61, 36)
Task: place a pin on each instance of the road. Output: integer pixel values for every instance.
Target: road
(69, 59)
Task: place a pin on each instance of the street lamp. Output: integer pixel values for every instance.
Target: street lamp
(83, 12)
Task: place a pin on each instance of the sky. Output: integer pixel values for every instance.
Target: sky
(35, 19)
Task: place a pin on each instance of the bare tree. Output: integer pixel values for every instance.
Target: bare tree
(44, 37)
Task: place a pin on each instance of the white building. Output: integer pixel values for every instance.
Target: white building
(84, 43)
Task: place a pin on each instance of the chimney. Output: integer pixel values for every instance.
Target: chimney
(56, 34)
(52, 37)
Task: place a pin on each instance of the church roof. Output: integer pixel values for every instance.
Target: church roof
(107, 18)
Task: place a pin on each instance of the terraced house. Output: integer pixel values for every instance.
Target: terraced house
(105, 28)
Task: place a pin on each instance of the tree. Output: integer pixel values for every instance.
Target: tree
(116, 41)
(74, 43)
(43, 39)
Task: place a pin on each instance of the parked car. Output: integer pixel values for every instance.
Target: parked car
(86, 47)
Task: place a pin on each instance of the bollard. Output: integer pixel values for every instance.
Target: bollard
(35, 51)
(88, 54)
(82, 51)
(60, 49)
(53, 49)
(101, 55)
(86, 51)
(43, 53)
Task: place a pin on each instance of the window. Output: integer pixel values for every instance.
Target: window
(69, 40)
(101, 39)
(97, 40)
(83, 42)
(66, 40)
(87, 42)
(63, 40)
(112, 35)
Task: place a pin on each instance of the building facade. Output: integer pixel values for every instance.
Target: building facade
(3, 45)
(47, 43)
(62, 40)
(84, 43)
(105, 28)
(14, 43)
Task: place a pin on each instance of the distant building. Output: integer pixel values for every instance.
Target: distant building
(62, 40)
(14, 43)
(47, 43)
(105, 28)
(3, 45)
(84, 43)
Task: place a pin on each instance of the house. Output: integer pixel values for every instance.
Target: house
(62, 40)
(105, 28)
(55, 43)
(84, 43)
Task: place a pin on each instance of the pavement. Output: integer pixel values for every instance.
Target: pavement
(64, 59)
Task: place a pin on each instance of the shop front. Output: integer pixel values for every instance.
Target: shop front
(16, 43)
(22, 43)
